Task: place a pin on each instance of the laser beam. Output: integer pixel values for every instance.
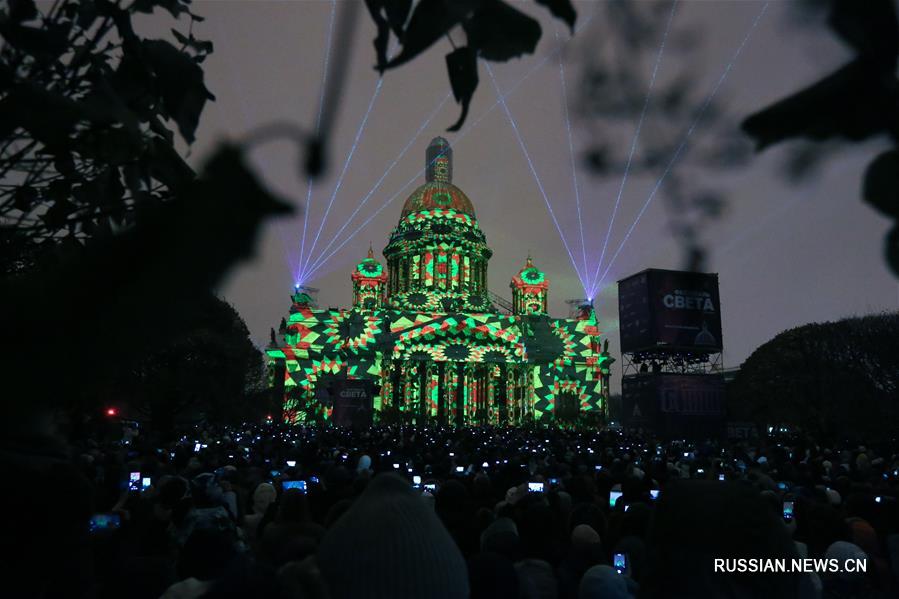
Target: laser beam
(527, 156)
(633, 149)
(460, 137)
(377, 184)
(346, 165)
(318, 123)
(419, 173)
(770, 216)
(577, 192)
(683, 143)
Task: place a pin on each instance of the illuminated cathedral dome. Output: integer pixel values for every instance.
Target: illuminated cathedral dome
(438, 191)
(437, 254)
(438, 194)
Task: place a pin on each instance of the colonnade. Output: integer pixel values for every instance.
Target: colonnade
(458, 393)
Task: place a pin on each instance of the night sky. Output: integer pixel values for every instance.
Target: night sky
(786, 254)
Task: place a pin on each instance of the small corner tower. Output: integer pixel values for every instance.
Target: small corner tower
(369, 281)
(530, 289)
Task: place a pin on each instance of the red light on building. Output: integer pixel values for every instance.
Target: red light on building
(111, 412)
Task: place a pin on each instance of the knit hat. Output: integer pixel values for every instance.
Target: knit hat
(583, 534)
(263, 496)
(864, 536)
(363, 464)
(389, 544)
(537, 579)
(843, 551)
(499, 526)
(515, 494)
(602, 582)
(501, 537)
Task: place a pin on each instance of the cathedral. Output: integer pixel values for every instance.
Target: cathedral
(428, 340)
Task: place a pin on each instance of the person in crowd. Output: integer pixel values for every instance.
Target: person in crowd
(430, 511)
(263, 496)
(388, 545)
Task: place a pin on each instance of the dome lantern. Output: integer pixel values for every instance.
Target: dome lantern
(439, 161)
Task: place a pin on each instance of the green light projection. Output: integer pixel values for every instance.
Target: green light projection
(425, 320)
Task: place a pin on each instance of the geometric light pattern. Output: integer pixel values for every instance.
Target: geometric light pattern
(425, 332)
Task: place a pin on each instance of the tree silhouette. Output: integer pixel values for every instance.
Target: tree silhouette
(206, 371)
(107, 233)
(493, 31)
(620, 96)
(833, 378)
(86, 115)
(857, 101)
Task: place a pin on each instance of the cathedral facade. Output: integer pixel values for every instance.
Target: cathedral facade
(427, 338)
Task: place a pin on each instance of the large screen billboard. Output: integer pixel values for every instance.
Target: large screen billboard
(353, 402)
(674, 404)
(669, 309)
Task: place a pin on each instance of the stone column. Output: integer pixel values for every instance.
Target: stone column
(423, 380)
(460, 394)
(502, 395)
(441, 392)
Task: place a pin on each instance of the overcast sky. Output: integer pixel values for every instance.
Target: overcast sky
(786, 254)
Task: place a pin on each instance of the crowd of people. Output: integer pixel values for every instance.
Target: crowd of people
(397, 511)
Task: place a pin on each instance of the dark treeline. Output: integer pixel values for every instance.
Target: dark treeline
(835, 378)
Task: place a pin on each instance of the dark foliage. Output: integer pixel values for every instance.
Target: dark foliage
(614, 86)
(106, 232)
(856, 102)
(205, 371)
(118, 297)
(494, 31)
(833, 378)
(499, 33)
(561, 9)
(462, 64)
(85, 107)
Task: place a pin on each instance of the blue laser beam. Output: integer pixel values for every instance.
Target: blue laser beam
(318, 123)
(777, 211)
(369, 219)
(527, 156)
(419, 173)
(633, 148)
(346, 165)
(577, 193)
(377, 184)
(686, 138)
(460, 137)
